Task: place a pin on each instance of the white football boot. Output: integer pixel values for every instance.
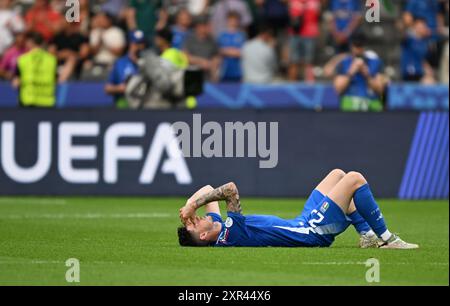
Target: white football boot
(368, 241)
(396, 243)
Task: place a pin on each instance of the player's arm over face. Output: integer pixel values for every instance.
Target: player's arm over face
(228, 192)
(212, 207)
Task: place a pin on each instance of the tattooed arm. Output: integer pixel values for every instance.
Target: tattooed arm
(227, 192)
(211, 207)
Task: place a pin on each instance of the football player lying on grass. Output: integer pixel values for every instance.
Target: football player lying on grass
(339, 200)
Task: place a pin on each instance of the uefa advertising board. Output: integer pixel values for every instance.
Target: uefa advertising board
(268, 153)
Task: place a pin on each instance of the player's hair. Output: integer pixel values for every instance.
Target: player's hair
(185, 238)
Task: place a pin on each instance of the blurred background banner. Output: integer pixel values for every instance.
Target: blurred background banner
(297, 95)
(236, 96)
(417, 97)
(403, 154)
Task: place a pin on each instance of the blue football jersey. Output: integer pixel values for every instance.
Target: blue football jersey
(315, 228)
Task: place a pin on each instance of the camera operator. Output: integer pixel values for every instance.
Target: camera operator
(164, 81)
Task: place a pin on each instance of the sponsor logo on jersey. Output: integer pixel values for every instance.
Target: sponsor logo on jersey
(324, 207)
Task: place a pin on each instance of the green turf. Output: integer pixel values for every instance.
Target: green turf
(123, 241)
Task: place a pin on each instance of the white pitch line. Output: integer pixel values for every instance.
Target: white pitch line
(337, 263)
(30, 262)
(88, 216)
(45, 262)
(333, 263)
(41, 201)
(54, 262)
(355, 263)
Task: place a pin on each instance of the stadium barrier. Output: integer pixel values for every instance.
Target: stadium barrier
(237, 96)
(107, 152)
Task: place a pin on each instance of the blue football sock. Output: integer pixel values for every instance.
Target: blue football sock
(359, 223)
(369, 210)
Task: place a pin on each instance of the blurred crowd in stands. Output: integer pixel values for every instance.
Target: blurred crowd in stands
(255, 41)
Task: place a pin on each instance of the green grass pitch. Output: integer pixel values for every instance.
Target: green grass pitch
(132, 241)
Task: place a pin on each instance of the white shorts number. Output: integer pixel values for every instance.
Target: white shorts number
(319, 218)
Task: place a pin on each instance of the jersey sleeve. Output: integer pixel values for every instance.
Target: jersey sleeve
(236, 223)
(215, 217)
(235, 215)
(234, 232)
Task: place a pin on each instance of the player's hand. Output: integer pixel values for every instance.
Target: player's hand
(187, 213)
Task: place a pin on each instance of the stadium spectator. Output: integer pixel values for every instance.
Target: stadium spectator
(444, 71)
(8, 63)
(230, 43)
(43, 19)
(444, 18)
(259, 60)
(198, 7)
(275, 14)
(194, 7)
(25, 2)
(181, 28)
(107, 41)
(256, 11)
(444, 64)
(36, 64)
(359, 80)
(71, 48)
(146, 16)
(414, 65)
(304, 31)
(176, 58)
(168, 53)
(220, 13)
(85, 17)
(426, 10)
(11, 23)
(432, 12)
(346, 18)
(124, 68)
(202, 50)
(58, 6)
(115, 8)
